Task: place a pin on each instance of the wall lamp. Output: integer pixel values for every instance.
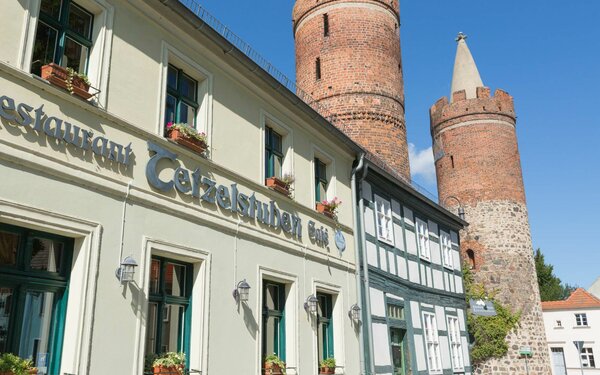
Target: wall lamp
(126, 271)
(311, 304)
(241, 292)
(461, 210)
(354, 312)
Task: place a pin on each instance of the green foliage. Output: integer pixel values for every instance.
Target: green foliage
(275, 360)
(170, 359)
(489, 332)
(12, 363)
(551, 287)
(328, 362)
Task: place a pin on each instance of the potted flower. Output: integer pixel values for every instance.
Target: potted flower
(187, 136)
(329, 208)
(281, 185)
(274, 365)
(327, 366)
(76, 83)
(170, 363)
(11, 364)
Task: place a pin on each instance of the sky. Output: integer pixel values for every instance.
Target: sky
(546, 53)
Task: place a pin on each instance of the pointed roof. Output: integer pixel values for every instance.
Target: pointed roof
(579, 299)
(466, 76)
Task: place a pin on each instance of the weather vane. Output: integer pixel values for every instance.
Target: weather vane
(461, 36)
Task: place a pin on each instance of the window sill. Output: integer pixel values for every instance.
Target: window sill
(559, 327)
(581, 327)
(386, 241)
(428, 260)
(449, 267)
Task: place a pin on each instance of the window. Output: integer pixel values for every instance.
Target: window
(318, 68)
(400, 356)
(581, 320)
(471, 256)
(63, 36)
(34, 276)
(423, 239)
(320, 180)
(587, 358)
(385, 229)
(434, 358)
(446, 249)
(458, 362)
(395, 312)
(325, 24)
(325, 326)
(182, 97)
(168, 319)
(273, 153)
(273, 331)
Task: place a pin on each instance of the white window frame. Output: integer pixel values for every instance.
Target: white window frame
(204, 87)
(287, 144)
(581, 320)
(99, 58)
(432, 343)
(446, 245)
(586, 355)
(331, 178)
(456, 351)
(383, 220)
(423, 245)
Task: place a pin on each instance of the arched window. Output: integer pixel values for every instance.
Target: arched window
(471, 257)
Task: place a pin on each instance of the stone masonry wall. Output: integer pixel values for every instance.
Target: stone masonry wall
(361, 85)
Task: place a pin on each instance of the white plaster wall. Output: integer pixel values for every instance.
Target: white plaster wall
(420, 353)
(411, 244)
(413, 271)
(372, 254)
(381, 345)
(377, 302)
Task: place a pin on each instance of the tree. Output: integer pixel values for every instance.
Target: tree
(551, 287)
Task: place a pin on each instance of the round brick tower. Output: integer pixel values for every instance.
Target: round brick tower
(478, 167)
(348, 60)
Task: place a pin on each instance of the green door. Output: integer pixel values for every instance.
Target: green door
(397, 343)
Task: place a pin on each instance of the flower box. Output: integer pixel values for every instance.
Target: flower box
(325, 210)
(326, 370)
(33, 371)
(59, 76)
(272, 369)
(278, 185)
(191, 143)
(168, 370)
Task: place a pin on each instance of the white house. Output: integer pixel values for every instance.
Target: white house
(577, 319)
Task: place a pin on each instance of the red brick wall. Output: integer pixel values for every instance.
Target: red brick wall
(361, 84)
(478, 141)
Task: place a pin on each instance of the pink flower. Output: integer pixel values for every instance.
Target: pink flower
(169, 124)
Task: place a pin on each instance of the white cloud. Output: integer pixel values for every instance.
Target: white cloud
(421, 164)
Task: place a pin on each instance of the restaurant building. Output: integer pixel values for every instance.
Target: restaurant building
(93, 186)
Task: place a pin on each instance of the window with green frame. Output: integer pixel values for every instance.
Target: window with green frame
(398, 344)
(182, 98)
(273, 153)
(169, 306)
(325, 326)
(63, 36)
(320, 180)
(34, 281)
(273, 335)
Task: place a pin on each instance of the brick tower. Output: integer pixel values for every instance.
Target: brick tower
(478, 167)
(348, 60)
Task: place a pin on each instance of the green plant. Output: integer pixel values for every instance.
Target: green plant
(273, 359)
(15, 364)
(188, 131)
(170, 359)
(72, 74)
(328, 362)
(149, 362)
(489, 332)
(288, 179)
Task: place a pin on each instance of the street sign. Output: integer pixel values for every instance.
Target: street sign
(526, 351)
(578, 345)
(482, 307)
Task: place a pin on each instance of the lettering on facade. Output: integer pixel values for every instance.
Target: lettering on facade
(227, 197)
(25, 115)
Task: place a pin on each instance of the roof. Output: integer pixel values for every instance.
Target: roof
(579, 299)
(466, 75)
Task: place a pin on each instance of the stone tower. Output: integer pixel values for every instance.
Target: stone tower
(348, 60)
(478, 167)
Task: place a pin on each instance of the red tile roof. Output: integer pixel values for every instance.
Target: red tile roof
(579, 299)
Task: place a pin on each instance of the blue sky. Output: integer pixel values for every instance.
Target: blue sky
(544, 53)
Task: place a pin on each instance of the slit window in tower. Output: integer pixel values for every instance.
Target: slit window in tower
(325, 24)
(318, 68)
(471, 256)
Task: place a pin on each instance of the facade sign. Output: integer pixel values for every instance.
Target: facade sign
(482, 307)
(25, 115)
(227, 197)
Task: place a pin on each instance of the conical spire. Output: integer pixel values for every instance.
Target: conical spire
(466, 76)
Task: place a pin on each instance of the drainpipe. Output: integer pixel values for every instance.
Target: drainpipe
(357, 241)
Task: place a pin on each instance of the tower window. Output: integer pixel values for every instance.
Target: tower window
(318, 68)
(471, 256)
(325, 24)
